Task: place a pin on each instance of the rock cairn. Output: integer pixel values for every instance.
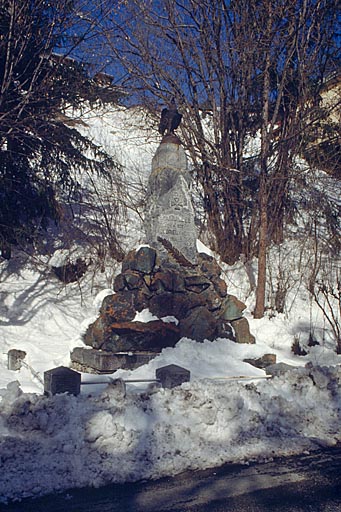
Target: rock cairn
(189, 300)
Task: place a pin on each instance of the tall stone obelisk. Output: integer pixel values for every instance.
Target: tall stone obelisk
(169, 212)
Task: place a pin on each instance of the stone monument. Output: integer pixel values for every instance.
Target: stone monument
(181, 288)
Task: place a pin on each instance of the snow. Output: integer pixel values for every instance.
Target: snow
(146, 316)
(95, 440)
(228, 412)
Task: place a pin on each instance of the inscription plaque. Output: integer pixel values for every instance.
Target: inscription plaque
(169, 212)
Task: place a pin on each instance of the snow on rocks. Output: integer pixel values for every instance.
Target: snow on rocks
(145, 316)
(50, 444)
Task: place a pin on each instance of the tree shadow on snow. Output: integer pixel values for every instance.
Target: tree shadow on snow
(26, 300)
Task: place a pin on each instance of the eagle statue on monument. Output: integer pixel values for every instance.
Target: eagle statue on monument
(170, 119)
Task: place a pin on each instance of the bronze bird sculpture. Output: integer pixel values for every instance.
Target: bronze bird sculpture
(170, 119)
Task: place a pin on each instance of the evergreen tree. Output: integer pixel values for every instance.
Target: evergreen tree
(39, 154)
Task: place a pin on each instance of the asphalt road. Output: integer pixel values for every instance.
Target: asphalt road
(309, 482)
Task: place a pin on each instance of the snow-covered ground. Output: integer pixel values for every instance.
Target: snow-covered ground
(49, 444)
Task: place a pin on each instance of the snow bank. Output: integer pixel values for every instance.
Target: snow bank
(52, 444)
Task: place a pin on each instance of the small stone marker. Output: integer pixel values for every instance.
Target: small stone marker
(62, 380)
(172, 375)
(15, 359)
(263, 361)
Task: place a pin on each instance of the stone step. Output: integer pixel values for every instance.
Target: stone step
(102, 362)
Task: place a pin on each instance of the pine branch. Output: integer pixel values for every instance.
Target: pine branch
(173, 251)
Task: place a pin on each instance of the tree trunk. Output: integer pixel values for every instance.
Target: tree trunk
(263, 232)
(263, 186)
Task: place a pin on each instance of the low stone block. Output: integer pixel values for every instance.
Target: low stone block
(102, 362)
(62, 380)
(262, 362)
(15, 359)
(172, 375)
(242, 331)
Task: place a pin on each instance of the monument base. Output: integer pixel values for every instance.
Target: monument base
(101, 362)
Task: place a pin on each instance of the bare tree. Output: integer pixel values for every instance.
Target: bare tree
(324, 285)
(297, 43)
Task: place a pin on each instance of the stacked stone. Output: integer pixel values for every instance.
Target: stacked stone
(196, 296)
